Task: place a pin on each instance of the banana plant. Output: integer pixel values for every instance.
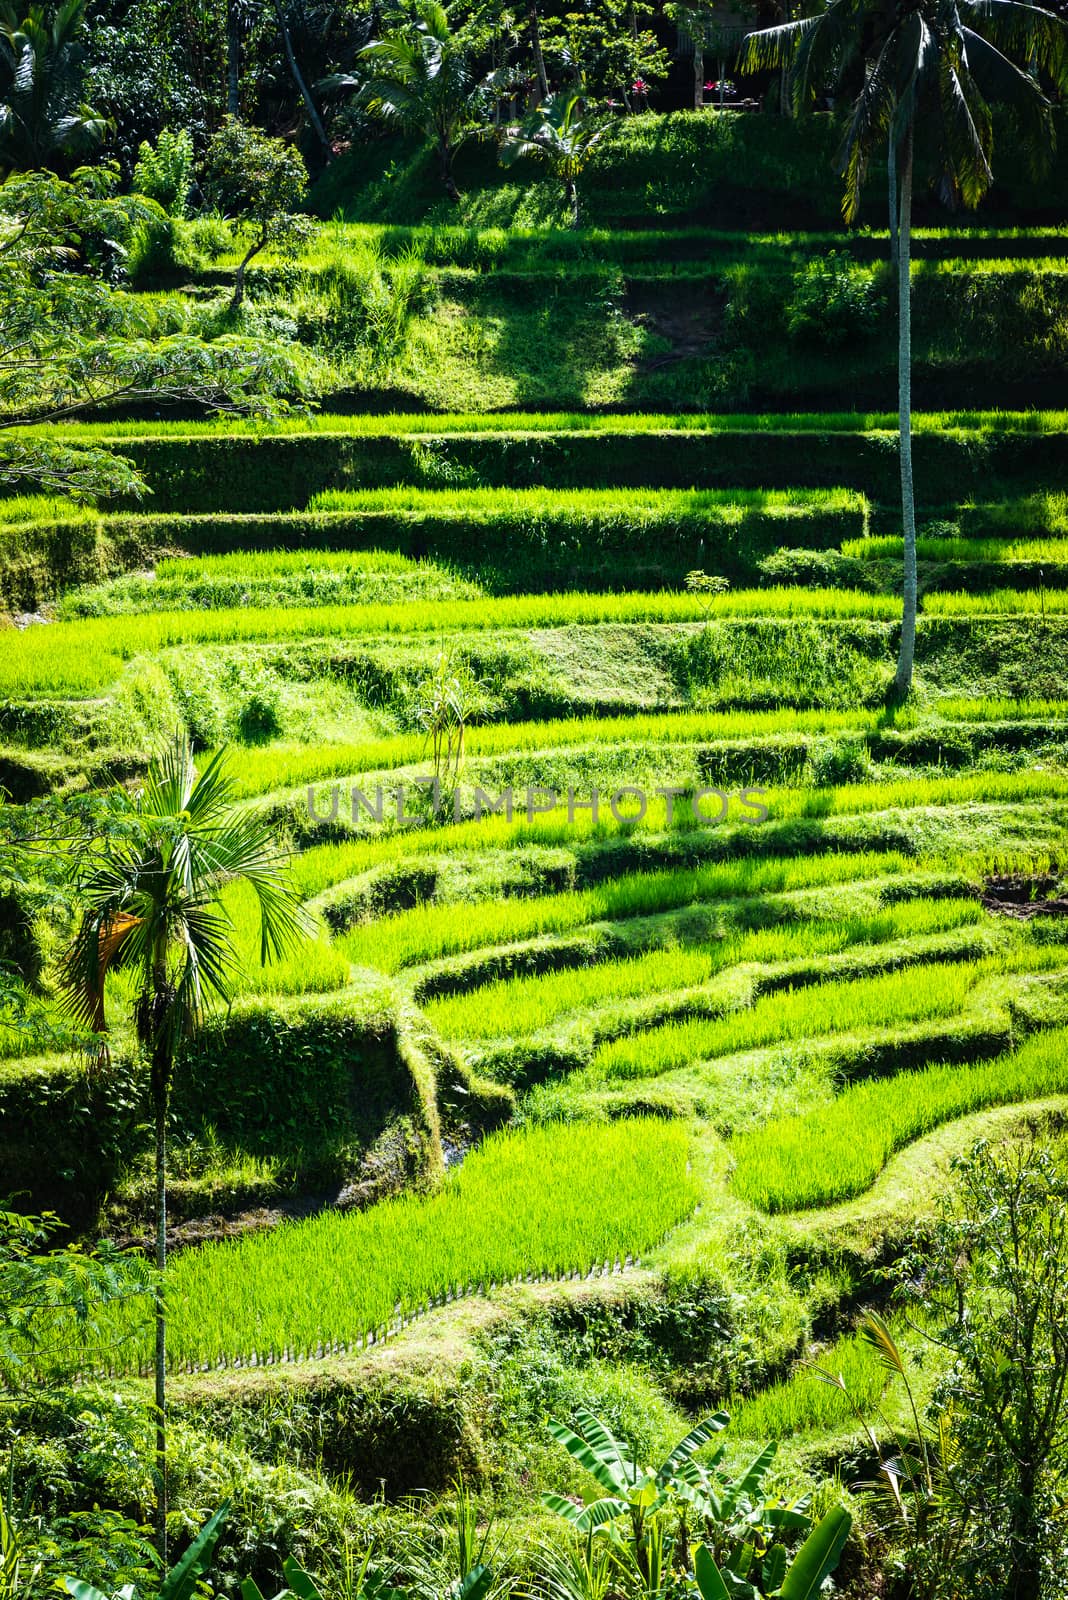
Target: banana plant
(743, 1528)
(741, 1525)
(177, 1584)
(775, 1576)
(633, 1493)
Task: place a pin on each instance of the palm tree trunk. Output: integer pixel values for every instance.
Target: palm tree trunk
(298, 78)
(233, 61)
(891, 180)
(698, 74)
(907, 652)
(535, 42)
(571, 191)
(160, 1108)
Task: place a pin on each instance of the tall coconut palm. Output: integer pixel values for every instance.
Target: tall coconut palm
(563, 132)
(43, 116)
(150, 906)
(929, 72)
(418, 77)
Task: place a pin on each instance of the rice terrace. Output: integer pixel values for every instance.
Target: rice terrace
(533, 800)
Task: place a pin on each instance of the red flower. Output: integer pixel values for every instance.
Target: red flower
(639, 86)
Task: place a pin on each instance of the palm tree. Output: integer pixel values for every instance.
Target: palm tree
(418, 77)
(43, 118)
(562, 132)
(150, 906)
(930, 70)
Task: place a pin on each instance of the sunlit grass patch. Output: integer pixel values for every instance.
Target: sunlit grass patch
(537, 1200)
(835, 1151)
(916, 994)
(521, 1006)
(431, 931)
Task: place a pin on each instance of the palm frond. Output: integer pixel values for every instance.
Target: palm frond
(773, 47)
(1003, 81)
(869, 123)
(966, 127)
(1032, 33)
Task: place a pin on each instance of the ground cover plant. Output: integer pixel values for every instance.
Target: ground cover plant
(80, 657)
(922, 995)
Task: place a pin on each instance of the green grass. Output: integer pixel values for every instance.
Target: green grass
(83, 657)
(999, 551)
(274, 767)
(255, 579)
(997, 602)
(324, 865)
(1033, 516)
(400, 423)
(920, 993)
(522, 1006)
(281, 563)
(313, 967)
(430, 931)
(531, 249)
(20, 509)
(539, 1200)
(836, 1151)
(993, 709)
(719, 505)
(803, 1404)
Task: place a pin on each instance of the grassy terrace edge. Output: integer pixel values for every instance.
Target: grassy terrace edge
(430, 422)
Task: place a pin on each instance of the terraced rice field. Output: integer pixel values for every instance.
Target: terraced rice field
(527, 1203)
(763, 966)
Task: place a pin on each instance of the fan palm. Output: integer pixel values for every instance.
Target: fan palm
(419, 78)
(43, 117)
(929, 72)
(150, 906)
(563, 133)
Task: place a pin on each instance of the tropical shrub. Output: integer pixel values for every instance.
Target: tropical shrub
(164, 172)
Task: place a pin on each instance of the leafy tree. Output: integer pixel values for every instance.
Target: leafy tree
(299, 79)
(143, 72)
(261, 182)
(534, 35)
(50, 1299)
(563, 132)
(182, 1582)
(604, 48)
(709, 33)
(994, 1281)
(43, 115)
(419, 78)
(931, 70)
(924, 1508)
(149, 897)
(69, 342)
